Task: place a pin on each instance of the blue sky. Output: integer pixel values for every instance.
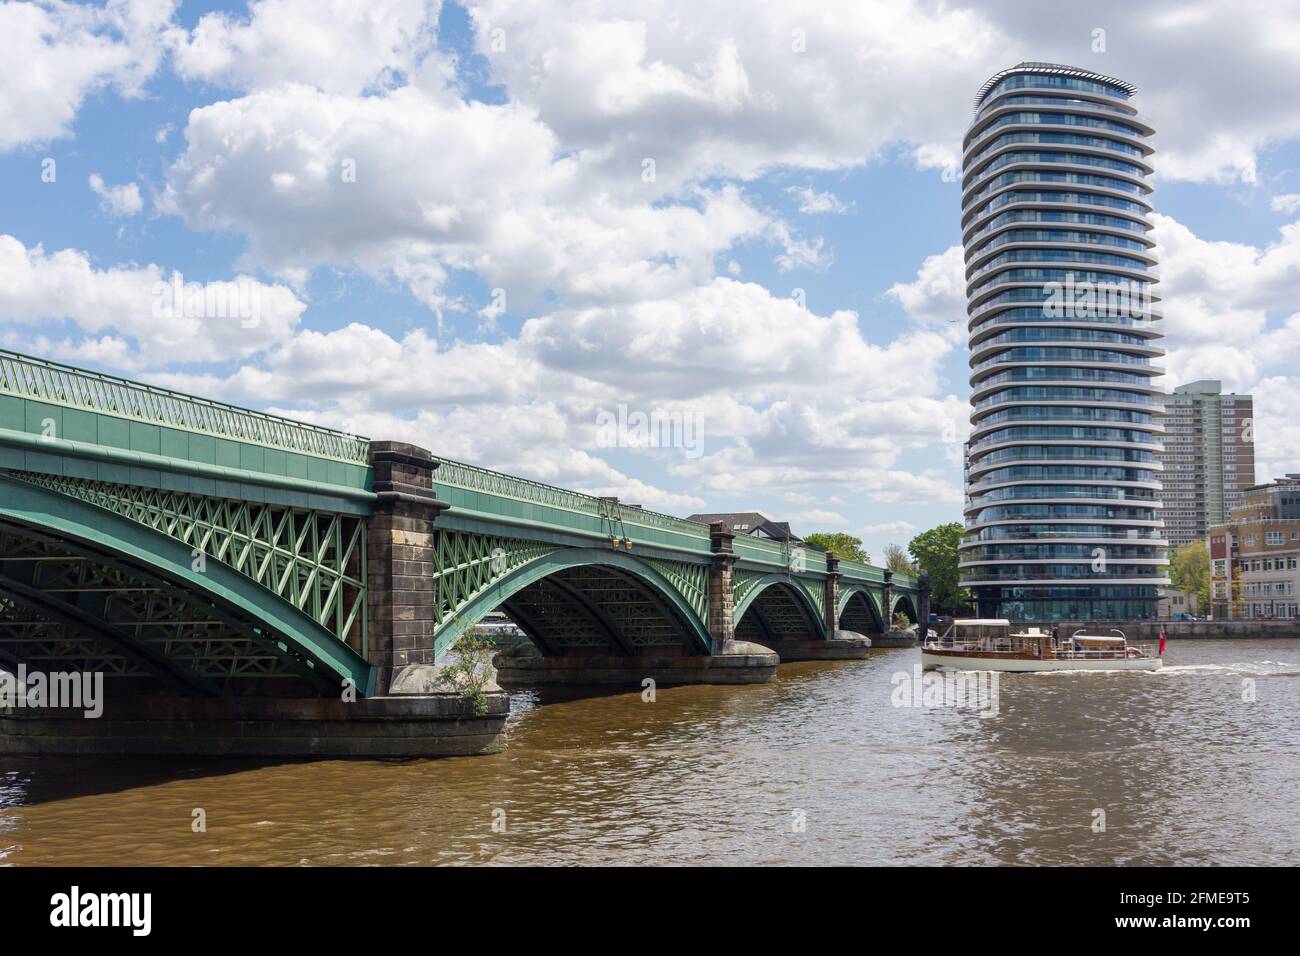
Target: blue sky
(500, 150)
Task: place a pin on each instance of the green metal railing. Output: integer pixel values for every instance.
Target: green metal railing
(458, 474)
(788, 555)
(41, 380)
(857, 571)
(761, 549)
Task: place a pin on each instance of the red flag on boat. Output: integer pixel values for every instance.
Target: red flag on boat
(1162, 640)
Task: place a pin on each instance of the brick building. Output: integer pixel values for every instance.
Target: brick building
(1255, 556)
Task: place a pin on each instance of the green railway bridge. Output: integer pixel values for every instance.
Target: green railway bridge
(247, 583)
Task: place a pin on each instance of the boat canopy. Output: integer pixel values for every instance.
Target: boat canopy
(981, 622)
(1080, 636)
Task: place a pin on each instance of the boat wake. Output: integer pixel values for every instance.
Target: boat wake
(1083, 671)
(1248, 668)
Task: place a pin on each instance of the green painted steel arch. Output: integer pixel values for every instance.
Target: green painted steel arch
(903, 598)
(873, 598)
(505, 588)
(805, 601)
(42, 509)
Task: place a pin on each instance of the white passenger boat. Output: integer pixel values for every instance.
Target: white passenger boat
(988, 644)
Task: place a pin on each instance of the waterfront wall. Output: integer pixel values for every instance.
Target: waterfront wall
(1181, 630)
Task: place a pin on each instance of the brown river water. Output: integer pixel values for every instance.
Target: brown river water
(818, 767)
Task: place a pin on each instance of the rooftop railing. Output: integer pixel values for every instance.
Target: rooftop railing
(55, 383)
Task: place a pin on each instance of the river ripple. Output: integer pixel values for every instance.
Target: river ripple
(816, 767)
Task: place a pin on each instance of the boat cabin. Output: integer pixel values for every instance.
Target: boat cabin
(991, 644)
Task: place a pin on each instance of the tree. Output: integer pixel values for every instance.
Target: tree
(935, 552)
(468, 670)
(1189, 570)
(896, 559)
(843, 546)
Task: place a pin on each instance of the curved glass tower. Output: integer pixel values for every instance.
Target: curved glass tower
(1062, 482)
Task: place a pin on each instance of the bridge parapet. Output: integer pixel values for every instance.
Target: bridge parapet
(781, 555)
(73, 387)
(909, 582)
(47, 408)
(856, 571)
(484, 494)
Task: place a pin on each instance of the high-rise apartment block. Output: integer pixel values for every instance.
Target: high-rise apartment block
(1209, 458)
(1063, 519)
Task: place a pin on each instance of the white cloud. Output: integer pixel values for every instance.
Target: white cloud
(812, 202)
(899, 528)
(348, 144)
(707, 92)
(339, 46)
(1218, 294)
(1277, 427)
(58, 54)
(799, 253)
(815, 519)
(121, 200)
(1230, 314)
(394, 185)
(727, 334)
(124, 314)
(631, 265)
(1288, 203)
(937, 297)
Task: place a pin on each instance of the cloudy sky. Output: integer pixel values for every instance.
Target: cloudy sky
(485, 228)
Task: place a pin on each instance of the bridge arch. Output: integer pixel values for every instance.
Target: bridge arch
(859, 610)
(116, 593)
(903, 602)
(599, 597)
(776, 608)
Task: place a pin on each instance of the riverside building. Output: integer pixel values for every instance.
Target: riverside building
(1255, 555)
(1063, 515)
